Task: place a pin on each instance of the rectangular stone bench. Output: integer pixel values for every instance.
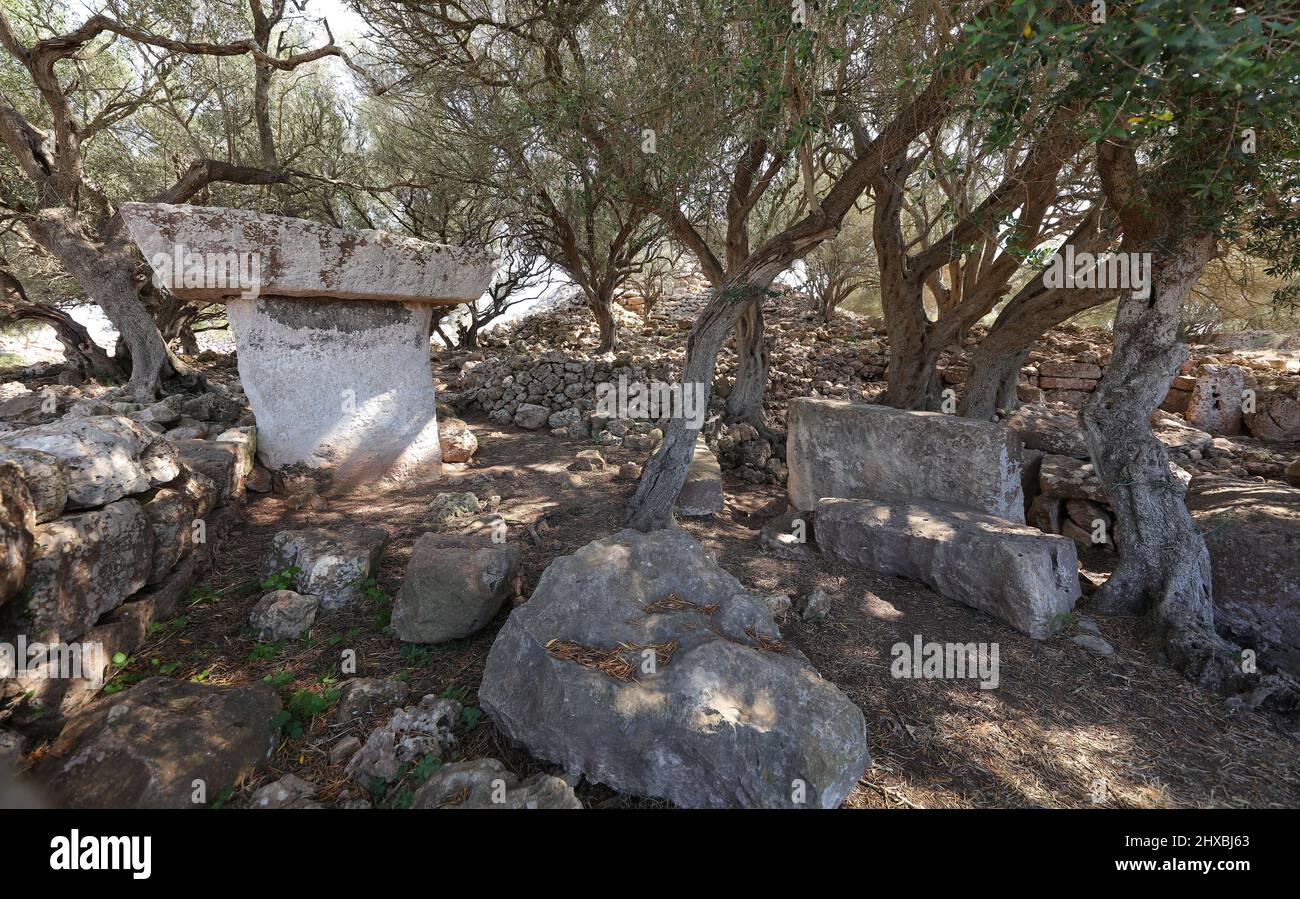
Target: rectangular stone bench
(1011, 571)
(854, 450)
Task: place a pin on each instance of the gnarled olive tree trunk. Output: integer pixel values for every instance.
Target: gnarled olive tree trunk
(1164, 566)
(602, 307)
(753, 360)
(665, 471)
(104, 270)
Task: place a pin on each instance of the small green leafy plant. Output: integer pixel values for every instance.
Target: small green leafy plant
(302, 706)
(281, 580)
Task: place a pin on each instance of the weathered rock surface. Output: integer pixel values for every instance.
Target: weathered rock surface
(1066, 478)
(701, 493)
(447, 509)
(362, 695)
(170, 513)
(1276, 416)
(46, 478)
(458, 442)
(17, 522)
(706, 707)
(408, 736)
(1252, 531)
(299, 258)
(145, 747)
(1013, 572)
(106, 457)
(531, 416)
(283, 615)
(789, 536)
(454, 585)
(287, 792)
(218, 461)
(1215, 401)
(851, 450)
(1051, 430)
(85, 564)
(486, 783)
(331, 565)
(339, 385)
(244, 440)
(587, 460)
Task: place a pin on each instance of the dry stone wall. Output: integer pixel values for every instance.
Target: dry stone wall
(106, 519)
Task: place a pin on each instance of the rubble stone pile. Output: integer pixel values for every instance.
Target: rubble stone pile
(543, 371)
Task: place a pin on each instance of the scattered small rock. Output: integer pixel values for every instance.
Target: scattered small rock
(408, 736)
(629, 471)
(1093, 643)
(486, 783)
(289, 791)
(816, 606)
(362, 695)
(587, 460)
(283, 615)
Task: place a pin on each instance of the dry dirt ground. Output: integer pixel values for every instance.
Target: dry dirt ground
(1063, 727)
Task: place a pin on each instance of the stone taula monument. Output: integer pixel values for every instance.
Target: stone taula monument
(331, 325)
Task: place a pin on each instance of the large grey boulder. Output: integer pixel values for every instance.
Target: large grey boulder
(147, 746)
(331, 565)
(46, 478)
(454, 585)
(1276, 416)
(84, 565)
(486, 783)
(642, 664)
(1016, 573)
(1252, 531)
(851, 450)
(701, 493)
(106, 457)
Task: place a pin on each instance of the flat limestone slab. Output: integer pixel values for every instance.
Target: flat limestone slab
(1013, 572)
(851, 450)
(297, 258)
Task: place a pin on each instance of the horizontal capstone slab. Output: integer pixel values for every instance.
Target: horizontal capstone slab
(208, 253)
